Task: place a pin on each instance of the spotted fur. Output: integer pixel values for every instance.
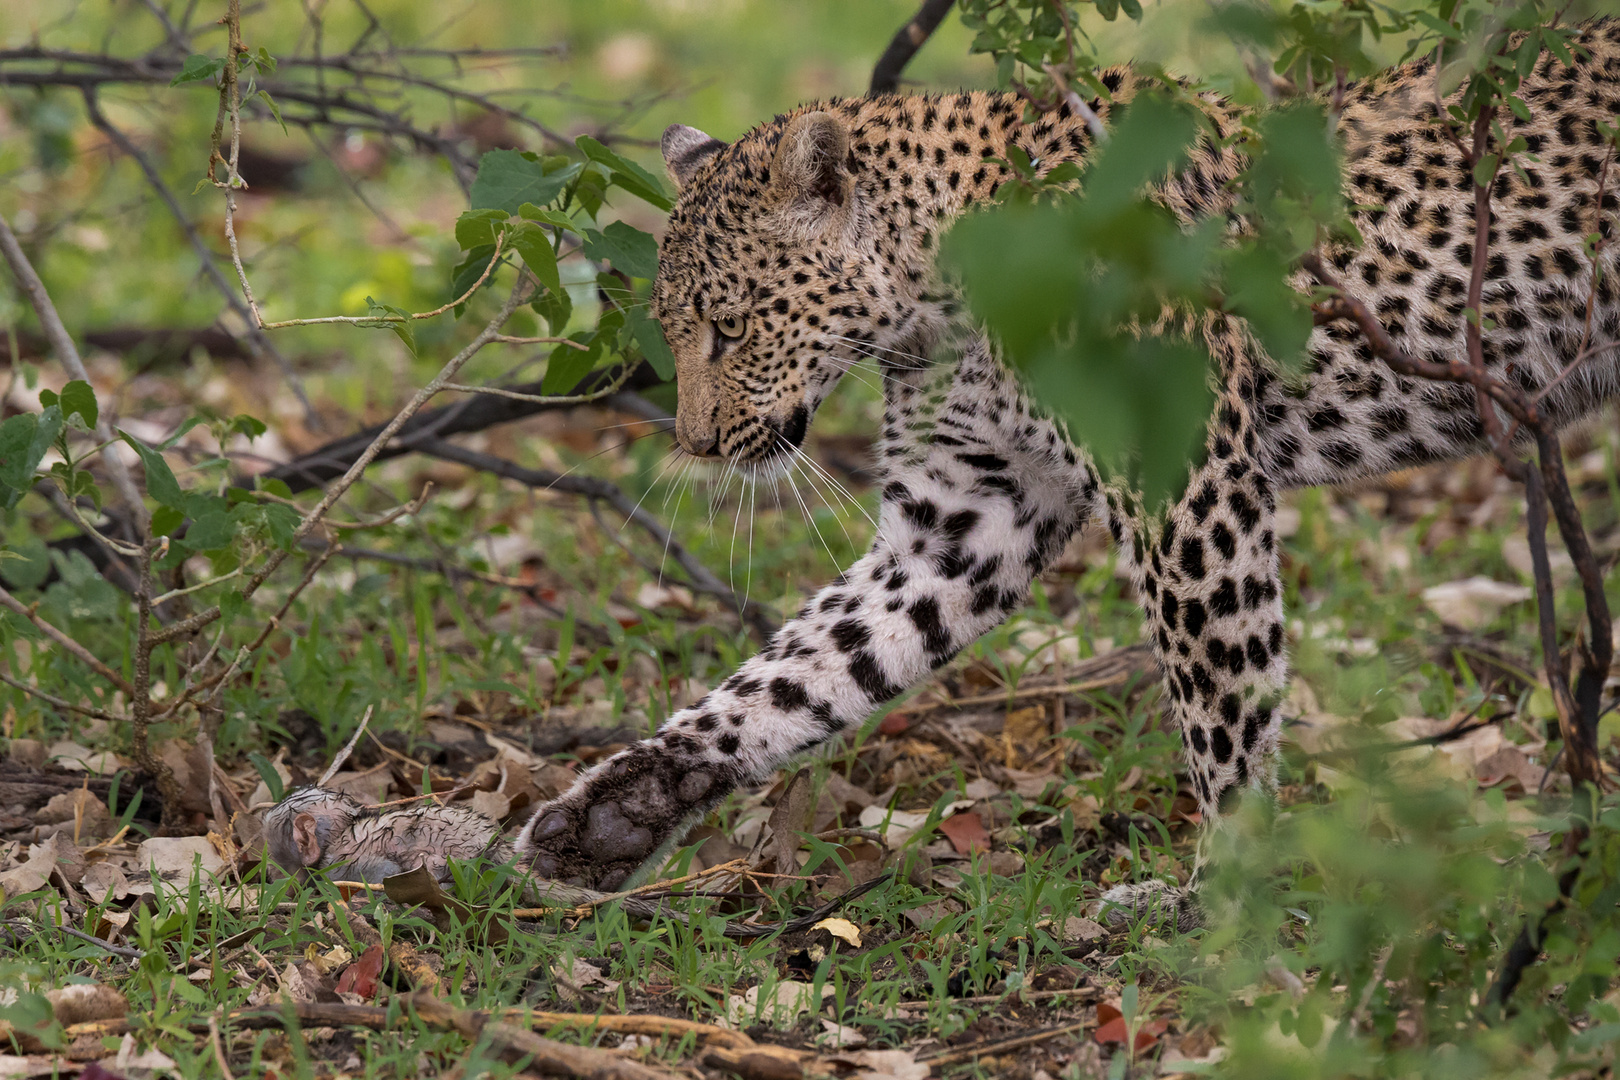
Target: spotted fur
(809, 244)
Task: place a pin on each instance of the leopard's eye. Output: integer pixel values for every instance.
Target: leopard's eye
(731, 326)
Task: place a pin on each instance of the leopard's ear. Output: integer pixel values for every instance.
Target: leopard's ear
(686, 148)
(812, 160)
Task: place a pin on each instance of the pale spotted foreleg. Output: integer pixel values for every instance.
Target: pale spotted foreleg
(967, 521)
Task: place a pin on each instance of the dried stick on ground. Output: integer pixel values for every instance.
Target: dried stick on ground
(474, 414)
(513, 1043)
(907, 40)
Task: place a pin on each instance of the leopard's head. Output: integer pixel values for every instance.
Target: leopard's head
(771, 283)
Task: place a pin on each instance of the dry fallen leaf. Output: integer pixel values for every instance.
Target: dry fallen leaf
(76, 758)
(883, 1064)
(782, 1006)
(572, 980)
(1112, 1030)
(172, 857)
(837, 1035)
(965, 832)
(1510, 763)
(1473, 602)
(103, 880)
(788, 821)
(842, 929)
(31, 874)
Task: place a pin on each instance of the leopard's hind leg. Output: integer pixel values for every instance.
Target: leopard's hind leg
(1212, 597)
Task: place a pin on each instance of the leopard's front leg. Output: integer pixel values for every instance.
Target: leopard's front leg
(966, 522)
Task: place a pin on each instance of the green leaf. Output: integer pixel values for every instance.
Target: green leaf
(400, 327)
(282, 522)
(628, 248)
(556, 308)
(275, 110)
(549, 217)
(267, 773)
(477, 228)
(1151, 140)
(468, 271)
(198, 68)
(29, 1013)
(1257, 289)
(166, 519)
(274, 487)
(1485, 170)
(78, 399)
(534, 245)
(185, 425)
(649, 337)
(160, 481)
(24, 441)
(626, 174)
(210, 532)
(509, 178)
(568, 366)
(241, 424)
(27, 563)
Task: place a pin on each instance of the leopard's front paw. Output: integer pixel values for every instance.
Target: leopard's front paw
(619, 815)
(1150, 901)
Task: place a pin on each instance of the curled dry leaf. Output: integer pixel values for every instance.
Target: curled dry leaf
(842, 929)
(360, 978)
(787, 823)
(82, 809)
(31, 874)
(1113, 1031)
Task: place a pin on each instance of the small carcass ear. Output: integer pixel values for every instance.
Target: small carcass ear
(685, 149)
(304, 835)
(812, 160)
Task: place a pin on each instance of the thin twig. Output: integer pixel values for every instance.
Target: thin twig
(73, 647)
(348, 748)
(367, 320)
(62, 344)
(255, 339)
(218, 1044)
(521, 290)
(50, 699)
(982, 1049)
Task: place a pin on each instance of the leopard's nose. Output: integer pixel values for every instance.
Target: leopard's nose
(702, 445)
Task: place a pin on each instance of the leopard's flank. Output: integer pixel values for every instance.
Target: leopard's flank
(809, 245)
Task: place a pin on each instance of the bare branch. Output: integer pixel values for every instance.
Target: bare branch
(256, 339)
(73, 647)
(905, 43)
(62, 344)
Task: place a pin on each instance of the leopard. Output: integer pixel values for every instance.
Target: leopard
(810, 244)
